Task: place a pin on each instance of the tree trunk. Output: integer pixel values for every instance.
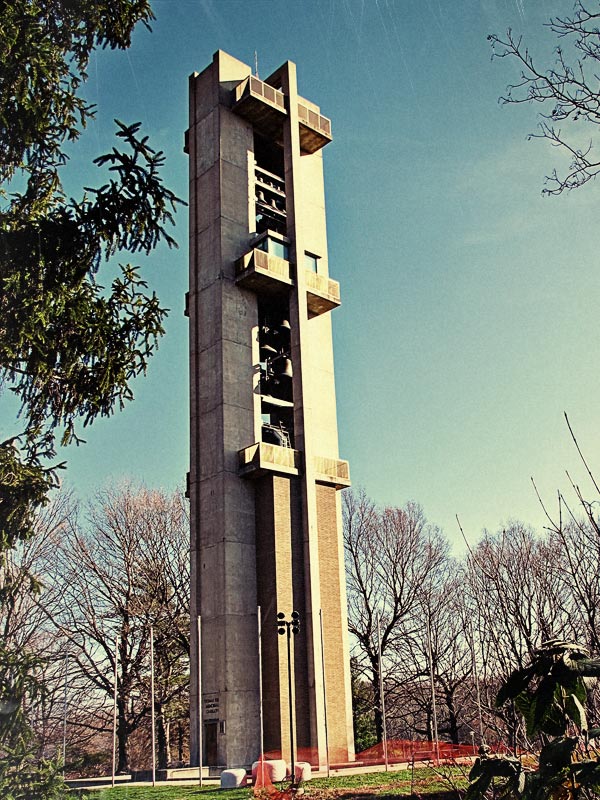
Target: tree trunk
(377, 703)
(168, 741)
(162, 738)
(179, 742)
(452, 718)
(429, 722)
(122, 738)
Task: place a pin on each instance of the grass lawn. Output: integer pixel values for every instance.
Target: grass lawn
(351, 787)
(161, 793)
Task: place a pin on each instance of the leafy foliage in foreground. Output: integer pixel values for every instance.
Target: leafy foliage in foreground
(69, 345)
(22, 775)
(551, 694)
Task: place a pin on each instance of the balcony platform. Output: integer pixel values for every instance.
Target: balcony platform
(332, 471)
(260, 104)
(264, 106)
(263, 272)
(315, 129)
(322, 293)
(262, 458)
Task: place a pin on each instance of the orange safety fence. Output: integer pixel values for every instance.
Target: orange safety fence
(398, 751)
(408, 750)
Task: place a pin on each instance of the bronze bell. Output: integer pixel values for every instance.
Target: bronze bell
(267, 350)
(284, 330)
(286, 369)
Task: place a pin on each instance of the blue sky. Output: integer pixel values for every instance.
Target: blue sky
(469, 319)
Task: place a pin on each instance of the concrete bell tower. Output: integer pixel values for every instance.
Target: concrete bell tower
(265, 471)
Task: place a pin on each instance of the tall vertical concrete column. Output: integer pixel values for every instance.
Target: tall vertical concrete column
(223, 321)
(265, 470)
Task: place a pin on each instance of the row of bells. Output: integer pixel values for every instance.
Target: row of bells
(274, 340)
(281, 331)
(274, 348)
(275, 202)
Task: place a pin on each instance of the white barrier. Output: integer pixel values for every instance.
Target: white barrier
(302, 771)
(233, 778)
(276, 769)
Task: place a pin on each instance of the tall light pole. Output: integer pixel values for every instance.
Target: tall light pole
(289, 626)
(65, 707)
(153, 712)
(432, 681)
(324, 689)
(115, 679)
(478, 694)
(199, 659)
(381, 694)
(260, 699)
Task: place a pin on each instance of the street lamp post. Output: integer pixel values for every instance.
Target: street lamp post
(153, 710)
(65, 707)
(114, 732)
(289, 626)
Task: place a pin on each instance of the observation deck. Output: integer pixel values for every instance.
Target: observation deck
(262, 458)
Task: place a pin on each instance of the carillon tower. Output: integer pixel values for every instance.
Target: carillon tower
(265, 471)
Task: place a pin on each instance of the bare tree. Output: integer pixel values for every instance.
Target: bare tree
(167, 593)
(121, 571)
(568, 90)
(436, 645)
(391, 554)
(23, 578)
(517, 603)
(27, 597)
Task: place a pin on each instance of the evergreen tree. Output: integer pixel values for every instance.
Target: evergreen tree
(69, 346)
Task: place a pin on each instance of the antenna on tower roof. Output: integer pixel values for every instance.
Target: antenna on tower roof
(256, 63)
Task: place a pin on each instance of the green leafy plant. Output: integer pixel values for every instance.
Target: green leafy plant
(69, 345)
(22, 775)
(551, 694)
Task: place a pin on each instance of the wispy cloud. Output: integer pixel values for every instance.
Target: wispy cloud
(509, 183)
